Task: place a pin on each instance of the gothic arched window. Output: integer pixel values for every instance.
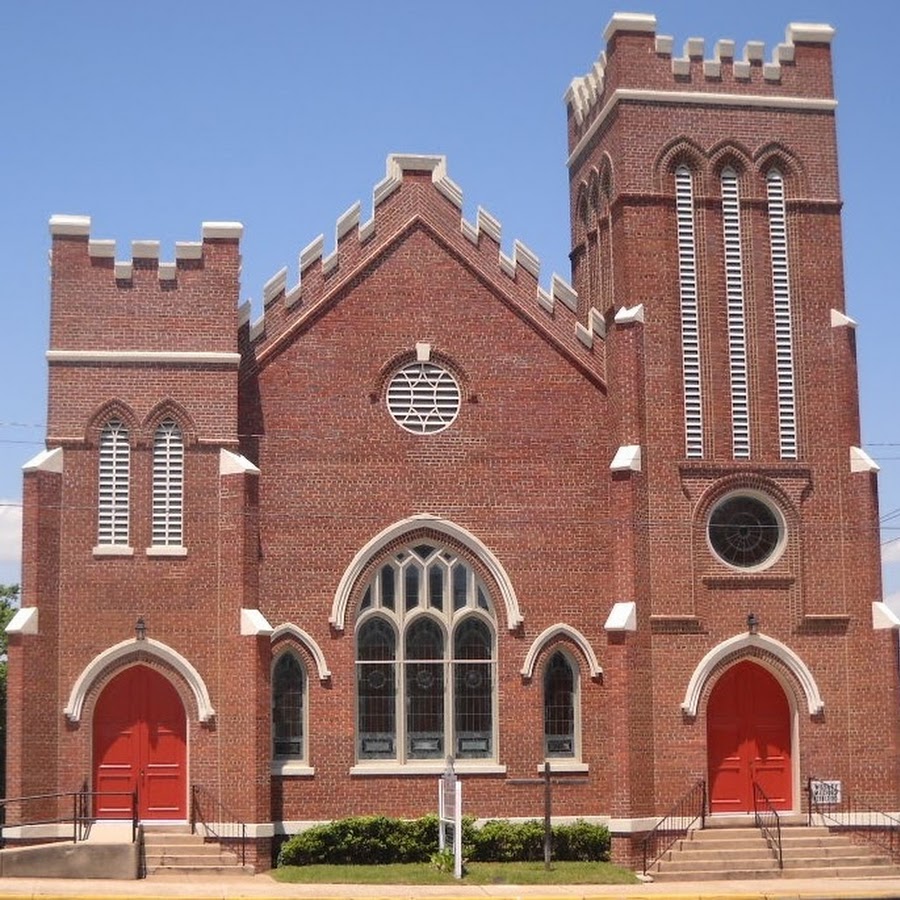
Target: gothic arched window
(425, 660)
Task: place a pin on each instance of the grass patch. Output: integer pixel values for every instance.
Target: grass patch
(475, 873)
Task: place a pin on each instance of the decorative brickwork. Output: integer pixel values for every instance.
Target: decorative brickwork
(577, 477)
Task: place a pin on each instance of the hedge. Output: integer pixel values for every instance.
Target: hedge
(378, 839)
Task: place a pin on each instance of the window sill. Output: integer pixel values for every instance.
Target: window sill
(563, 766)
(426, 767)
(113, 550)
(292, 769)
(166, 550)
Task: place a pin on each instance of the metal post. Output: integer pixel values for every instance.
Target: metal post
(548, 827)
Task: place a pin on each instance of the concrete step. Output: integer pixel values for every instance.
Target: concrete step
(219, 859)
(177, 872)
(200, 849)
(179, 837)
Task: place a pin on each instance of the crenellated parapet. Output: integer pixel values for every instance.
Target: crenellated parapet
(417, 190)
(105, 300)
(641, 66)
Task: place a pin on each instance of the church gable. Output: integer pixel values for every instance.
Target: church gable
(416, 192)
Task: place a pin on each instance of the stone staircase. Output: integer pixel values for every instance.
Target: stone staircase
(177, 852)
(730, 853)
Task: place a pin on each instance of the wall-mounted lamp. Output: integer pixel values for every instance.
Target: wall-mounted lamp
(752, 623)
(140, 628)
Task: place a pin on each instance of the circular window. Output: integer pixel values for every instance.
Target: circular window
(746, 531)
(423, 398)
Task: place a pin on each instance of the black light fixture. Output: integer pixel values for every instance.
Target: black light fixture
(752, 623)
(140, 628)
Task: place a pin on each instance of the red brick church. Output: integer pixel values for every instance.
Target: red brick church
(432, 504)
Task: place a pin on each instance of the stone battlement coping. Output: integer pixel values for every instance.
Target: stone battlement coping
(398, 166)
(584, 92)
(123, 269)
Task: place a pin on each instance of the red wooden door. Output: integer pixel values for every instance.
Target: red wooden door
(748, 737)
(140, 742)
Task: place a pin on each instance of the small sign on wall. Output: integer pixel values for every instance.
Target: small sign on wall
(825, 792)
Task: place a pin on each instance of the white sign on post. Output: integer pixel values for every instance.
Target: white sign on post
(450, 813)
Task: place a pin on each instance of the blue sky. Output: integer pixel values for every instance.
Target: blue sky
(154, 117)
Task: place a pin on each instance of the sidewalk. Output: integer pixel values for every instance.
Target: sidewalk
(264, 887)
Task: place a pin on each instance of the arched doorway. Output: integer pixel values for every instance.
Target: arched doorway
(140, 742)
(748, 731)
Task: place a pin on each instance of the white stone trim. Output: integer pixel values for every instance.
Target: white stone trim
(78, 226)
(860, 461)
(25, 621)
(809, 33)
(883, 617)
(622, 616)
(840, 320)
(627, 459)
(561, 765)
(253, 829)
(102, 249)
(274, 286)
(173, 550)
(626, 315)
(124, 270)
(288, 768)
(188, 250)
(254, 623)
(145, 249)
(444, 526)
(46, 461)
(122, 651)
(423, 352)
(747, 641)
(700, 98)
(308, 641)
(438, 767)
(560, 629)
(159, 357)
(235, 464)
(113, 550)
(227, 230)
(625, 21)
(167, 271)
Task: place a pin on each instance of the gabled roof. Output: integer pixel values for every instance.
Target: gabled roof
(417, 192)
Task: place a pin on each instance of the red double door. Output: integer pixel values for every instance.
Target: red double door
(140, 732)
(748, 739)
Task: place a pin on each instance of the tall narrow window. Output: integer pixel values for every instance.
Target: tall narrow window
(288, 689)
(425, 664)
(781, 293)
(690, 313)
(376, 689)
(559, 708)
(737, 330)
(113, 495)
(168, 485)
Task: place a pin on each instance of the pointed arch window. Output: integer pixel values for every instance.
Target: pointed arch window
(425, 651)
(114, 485)
(168, 485)
(288, 708)
(560, 707)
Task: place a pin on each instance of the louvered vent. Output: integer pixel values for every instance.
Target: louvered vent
(168, 485)
(737, 329)
(781, 292)
(690, 325)
(423, 398)
(112, 500)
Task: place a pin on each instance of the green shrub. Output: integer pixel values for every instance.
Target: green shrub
(377, 839)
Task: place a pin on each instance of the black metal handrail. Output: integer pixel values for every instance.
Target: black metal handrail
(218, 823)
(81, 818)
(766, 818)
(675, 824)
(864, 821)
